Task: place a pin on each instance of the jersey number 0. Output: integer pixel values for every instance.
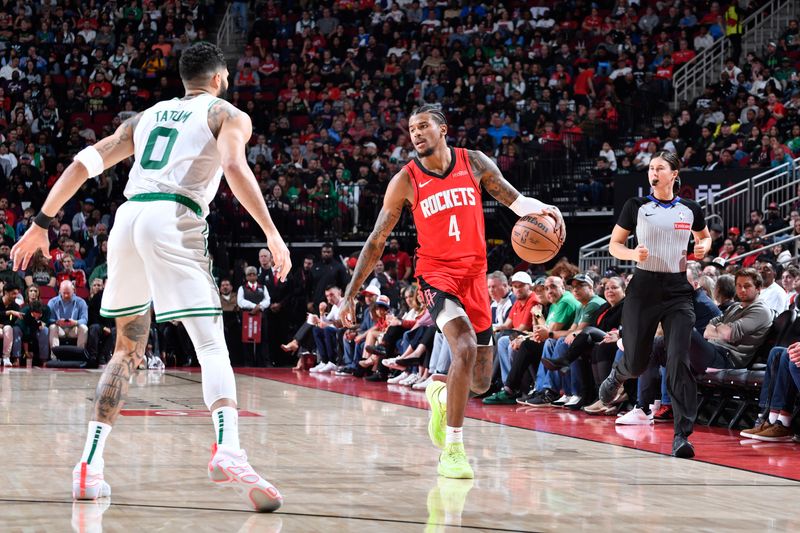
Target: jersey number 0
(171, 134)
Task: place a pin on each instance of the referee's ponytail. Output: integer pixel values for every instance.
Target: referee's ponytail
(674, 163)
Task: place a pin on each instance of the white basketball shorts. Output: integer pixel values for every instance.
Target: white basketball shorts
(158, 252)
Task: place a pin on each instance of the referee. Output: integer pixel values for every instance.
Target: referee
(659, 291)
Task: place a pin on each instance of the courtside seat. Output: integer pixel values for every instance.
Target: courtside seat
(740, 388)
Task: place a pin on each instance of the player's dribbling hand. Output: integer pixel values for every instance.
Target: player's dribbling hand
(642, 253)
(33, 240)
(280, 255)
(347, 313)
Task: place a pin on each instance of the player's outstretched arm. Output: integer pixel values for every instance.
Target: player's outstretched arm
(235, 129)
(397, 194)
(89, 162)
(493, 181)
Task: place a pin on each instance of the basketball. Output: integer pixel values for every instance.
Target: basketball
(535, 238)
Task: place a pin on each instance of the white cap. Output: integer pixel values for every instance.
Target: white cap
(372, 289)
(522, 277)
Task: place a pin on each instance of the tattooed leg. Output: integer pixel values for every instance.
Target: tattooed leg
(482, 371)
(132, 334)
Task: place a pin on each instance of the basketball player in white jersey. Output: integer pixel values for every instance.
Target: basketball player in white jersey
(157, 255)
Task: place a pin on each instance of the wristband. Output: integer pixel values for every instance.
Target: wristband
(92, 160)
(549, 334)
(525, 206)
(42, 220)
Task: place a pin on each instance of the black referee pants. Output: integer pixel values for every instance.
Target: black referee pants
(666, 298)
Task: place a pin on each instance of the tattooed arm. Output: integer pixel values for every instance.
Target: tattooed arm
(233, 129)
(493, 181)
(398, 193)
(112, 149)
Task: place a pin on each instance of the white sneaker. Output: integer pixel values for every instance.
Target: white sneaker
(398, 378)
(420, 385)
(88, 482)
(573, 400)
(317, 368)
(561, 401)
(7, 361)
(328, 367)
(231, 466)
(410, 380)
(635, 417)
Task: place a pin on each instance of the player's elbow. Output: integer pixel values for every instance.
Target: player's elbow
(233, 166)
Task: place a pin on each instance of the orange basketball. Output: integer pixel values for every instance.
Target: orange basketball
(535, 238)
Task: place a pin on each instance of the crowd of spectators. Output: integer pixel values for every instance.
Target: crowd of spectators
(550, 83)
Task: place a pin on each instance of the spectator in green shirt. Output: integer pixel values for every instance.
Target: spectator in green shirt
(529, 348)
(590, 303)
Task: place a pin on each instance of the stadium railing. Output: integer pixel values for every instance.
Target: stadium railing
(763, 25)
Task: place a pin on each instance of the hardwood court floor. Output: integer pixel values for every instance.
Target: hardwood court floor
(354, 456)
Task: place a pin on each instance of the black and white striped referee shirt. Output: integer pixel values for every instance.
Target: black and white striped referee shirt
(664, 228)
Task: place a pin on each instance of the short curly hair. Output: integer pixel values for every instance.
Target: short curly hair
(201, 60)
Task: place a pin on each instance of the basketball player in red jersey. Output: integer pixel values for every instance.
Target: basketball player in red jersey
(442, 187)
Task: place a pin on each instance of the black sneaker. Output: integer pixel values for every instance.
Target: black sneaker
(378, 349)
(543, 399)
(525, 397)
(611, 387)
(377, 377)
(682, 448)
(344, 371)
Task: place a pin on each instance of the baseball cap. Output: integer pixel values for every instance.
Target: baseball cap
(522, 277)
(540, 281)
(719, 263)
(371, 289)
(773, 205)
(383, 301)
(581, 278)
(370, 145)
(352, 262)
(88, 200)
(772, 43)
(734, 230)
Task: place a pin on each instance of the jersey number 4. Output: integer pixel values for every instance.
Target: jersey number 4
(454, 231)
(170, 134)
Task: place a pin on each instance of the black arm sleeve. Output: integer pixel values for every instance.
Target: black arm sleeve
(629, 214)
(699, 223)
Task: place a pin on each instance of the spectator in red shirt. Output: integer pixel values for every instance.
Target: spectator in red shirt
(100, 82)
(519, 318)
(77, 276)
(683, 54)
(401, 259)
(584, 88)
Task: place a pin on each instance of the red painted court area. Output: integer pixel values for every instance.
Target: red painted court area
(713, 445)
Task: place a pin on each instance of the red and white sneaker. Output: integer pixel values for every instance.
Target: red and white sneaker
(88, 482)
(231, 466)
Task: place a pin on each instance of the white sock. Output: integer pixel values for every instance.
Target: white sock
(785, 420)
(95, 442)
(454, 435)
(773, 416)
(226, 427)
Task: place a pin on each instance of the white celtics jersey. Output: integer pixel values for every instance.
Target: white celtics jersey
(175, 151)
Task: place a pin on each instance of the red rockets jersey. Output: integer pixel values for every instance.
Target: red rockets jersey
(448, 214)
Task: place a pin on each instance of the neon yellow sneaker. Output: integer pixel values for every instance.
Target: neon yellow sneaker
(453, 462)
(438, 422)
